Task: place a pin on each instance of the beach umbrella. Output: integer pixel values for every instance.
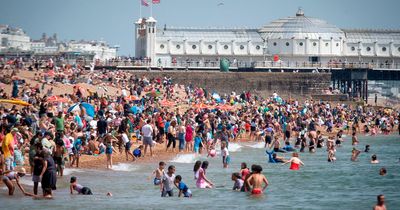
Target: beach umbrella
(15, 102)
(77, 107)
(225, 107)
(89, 108)
(53, 99)
(153, 94)
(136, 109)
(201, 106)
(167, 103)
(74, 108)
(132, 98)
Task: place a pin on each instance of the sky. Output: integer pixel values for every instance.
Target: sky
(113, 20)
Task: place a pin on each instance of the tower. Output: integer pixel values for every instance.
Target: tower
(145, 37)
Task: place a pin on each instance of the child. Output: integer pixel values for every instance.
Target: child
(167, 182)
(244, 171)
(256, 179)
(354, 139)
(197, 143)
(159, 172)
(354, 154)
(212, 152)
(225, 155)
(183, 189)
(109, 150)
(237, 186)
(79, 188)
(128, 145)
(137, 153)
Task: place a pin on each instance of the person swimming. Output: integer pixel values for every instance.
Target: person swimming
(273, 158)
(366, 148)
(79, 188)
(382, 171)
(374, 159)
(288, 147)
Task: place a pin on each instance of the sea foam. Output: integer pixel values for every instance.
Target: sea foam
(185, 158)
(124, 167)
(258, 145)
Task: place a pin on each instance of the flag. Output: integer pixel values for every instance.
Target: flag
(145, 3)
(156, 1)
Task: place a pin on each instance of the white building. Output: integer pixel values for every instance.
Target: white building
(296, 39)
(100, 49)
(13, 39)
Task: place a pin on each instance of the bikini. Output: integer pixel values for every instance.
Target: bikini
(256, 191)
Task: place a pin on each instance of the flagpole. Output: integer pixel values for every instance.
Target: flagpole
(140, 9)
(151, 8)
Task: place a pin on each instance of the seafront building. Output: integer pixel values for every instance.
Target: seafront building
(13, 39)
(15, 42)
(295, 40)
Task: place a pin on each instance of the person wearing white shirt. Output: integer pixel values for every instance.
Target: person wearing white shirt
(147, 132)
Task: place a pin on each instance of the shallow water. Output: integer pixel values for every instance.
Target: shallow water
(318, 185)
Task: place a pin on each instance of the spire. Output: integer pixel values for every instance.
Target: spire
(300, 12)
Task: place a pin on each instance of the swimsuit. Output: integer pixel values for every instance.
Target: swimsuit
(256, 191)
(294, 166)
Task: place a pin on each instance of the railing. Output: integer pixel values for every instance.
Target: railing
(257, 64)
(238, 64)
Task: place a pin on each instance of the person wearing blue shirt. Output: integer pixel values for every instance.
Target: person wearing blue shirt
(183, 188)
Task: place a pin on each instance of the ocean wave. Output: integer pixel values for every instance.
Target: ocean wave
(69, 171)
(234, 147)
(184, 158)
(124, 167)
(258, 145)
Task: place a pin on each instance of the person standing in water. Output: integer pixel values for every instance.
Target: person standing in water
(354, 154)
(9, 176)
(256, 180)
(183, 189)
(225, 155)
(196, 169)
(380, 205)
(354, 139)
(109, 150)
(295, 162)
(158, 173)
(167, 182)
(202, 181)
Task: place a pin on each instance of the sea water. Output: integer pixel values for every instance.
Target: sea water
(317, 185)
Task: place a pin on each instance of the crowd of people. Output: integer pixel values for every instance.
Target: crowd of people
(54, 131)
